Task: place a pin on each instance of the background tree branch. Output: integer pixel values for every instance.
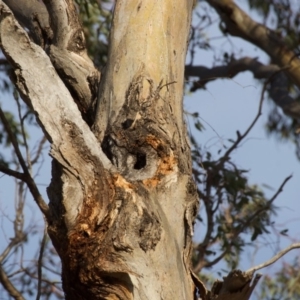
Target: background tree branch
(278, 83)
(69, 56)
(238, 23)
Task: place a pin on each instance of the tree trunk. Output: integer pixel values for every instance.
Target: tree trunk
(131, 236)
(122, 198)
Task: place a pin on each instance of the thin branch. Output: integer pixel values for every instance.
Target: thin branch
(49, 282)
(27, 177)
(3, 61)
(238, 23)
(52, 271)
(207, 264)
(37, 196)
(40, 263)
(9, 287)
(279, 90)
(13, 141)
(273, 259)
(11, 172)
(220, 164)
(280, 189)
(241, 137)
(269, 202)
(9, 247)
(39, 150)
(24, 135)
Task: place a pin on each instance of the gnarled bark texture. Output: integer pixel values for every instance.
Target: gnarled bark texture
(122, 199)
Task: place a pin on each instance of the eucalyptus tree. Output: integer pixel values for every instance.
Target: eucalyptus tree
(124, 191)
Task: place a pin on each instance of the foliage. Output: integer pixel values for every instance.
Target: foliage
(96, 19)
(234, 210)
(283, 285)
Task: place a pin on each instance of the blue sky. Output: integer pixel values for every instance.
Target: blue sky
(231, 104)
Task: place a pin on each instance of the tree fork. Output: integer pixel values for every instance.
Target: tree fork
(122, 198)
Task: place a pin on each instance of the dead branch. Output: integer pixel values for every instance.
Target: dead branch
(273, 259)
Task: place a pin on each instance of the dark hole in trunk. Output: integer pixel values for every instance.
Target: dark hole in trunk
(140, 161)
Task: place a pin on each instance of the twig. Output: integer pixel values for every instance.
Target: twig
(280, 189)
(27, 177)
(241, 137)
(13, 141)
(210, 212)
(11, 172)
(40, 263)
(273, 259)
(208, 264)
(9, 247)
(9, 287)
(39, 150)
(269, 202)
(24, 135)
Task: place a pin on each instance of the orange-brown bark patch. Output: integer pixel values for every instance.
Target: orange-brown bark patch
(166, 164)
(120, 181)
(153, 141)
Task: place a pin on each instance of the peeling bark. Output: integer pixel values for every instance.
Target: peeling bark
(68, 54)
(33, 15)
(122, 197)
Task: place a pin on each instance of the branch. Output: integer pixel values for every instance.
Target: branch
(13, 141)
(69, 56)
(273, 259)
(40, 263)
(22, 119)
(238, 23)
(259, 211)
(230, 70)
(209, 213)
(39, 150)
(11, 172)
(26, 177)
(9, 287)
(33, 15)
(278, 88)
(208, 264)
(237, 285)
(241, 137)
(280, 189)
(72, 141)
